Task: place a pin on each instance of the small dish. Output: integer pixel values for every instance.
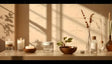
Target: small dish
(30, 50)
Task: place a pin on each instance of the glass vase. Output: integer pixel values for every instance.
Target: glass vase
(89, 40)
(109, 44)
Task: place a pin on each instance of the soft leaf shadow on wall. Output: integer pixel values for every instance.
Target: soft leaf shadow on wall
(8, 20)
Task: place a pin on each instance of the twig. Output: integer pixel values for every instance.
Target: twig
(87, 25)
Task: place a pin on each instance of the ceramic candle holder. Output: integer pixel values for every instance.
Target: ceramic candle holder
(29, 50)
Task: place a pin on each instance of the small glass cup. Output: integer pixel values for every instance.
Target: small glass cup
(47, 46)
(9, 45)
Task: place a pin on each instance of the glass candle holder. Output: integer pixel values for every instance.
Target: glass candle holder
(48, 46)
(9, 45)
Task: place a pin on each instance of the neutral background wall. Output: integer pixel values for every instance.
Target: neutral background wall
(22, 22)
(65, 20)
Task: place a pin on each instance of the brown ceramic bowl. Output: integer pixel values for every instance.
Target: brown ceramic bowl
(30, 50)
(68, 49)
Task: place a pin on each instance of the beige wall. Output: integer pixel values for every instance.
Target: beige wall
(67, 20)
(38, 22)
(74, 25)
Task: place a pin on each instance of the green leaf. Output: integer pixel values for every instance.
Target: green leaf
(66, 41)
(64, 38)
(70, 39)
(60, 43)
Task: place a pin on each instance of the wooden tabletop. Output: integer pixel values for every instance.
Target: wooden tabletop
(42, 55)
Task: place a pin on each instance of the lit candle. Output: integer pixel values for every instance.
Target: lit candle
(20, 44)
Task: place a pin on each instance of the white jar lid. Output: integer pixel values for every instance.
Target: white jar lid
(46, 43)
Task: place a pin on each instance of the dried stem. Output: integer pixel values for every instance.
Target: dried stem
(109, 18)
(90, 21)
(88, 26)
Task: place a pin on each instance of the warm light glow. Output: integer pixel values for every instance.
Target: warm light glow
(67, 20)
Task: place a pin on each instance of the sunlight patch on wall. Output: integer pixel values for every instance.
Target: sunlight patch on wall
(37, 22)
(67, 20)
(74, 24)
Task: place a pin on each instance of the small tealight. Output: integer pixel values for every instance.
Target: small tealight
(29, 47)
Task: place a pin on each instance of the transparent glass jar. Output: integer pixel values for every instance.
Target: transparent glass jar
(93, 45)
(9, 45)
(47, 46)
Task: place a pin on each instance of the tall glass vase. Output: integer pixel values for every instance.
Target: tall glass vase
(89, 40)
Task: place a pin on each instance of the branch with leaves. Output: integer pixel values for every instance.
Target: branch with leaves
(65, 40)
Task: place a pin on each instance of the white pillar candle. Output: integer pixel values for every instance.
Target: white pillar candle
(20, 44)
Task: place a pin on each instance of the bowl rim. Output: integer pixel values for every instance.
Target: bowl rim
(68, 47)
